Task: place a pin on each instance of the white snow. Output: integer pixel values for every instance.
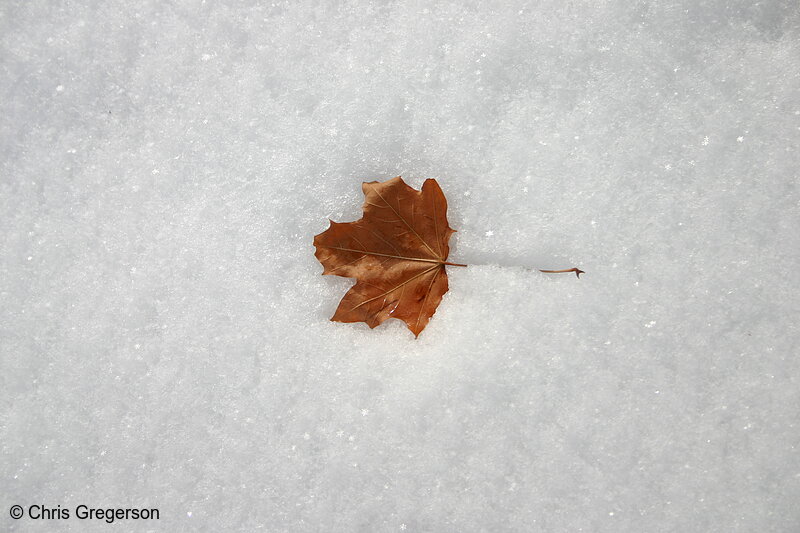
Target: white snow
(164, 332)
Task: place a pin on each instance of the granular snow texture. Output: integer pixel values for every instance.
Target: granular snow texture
(164, 332)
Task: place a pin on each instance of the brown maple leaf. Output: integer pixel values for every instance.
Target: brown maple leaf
(397, 252)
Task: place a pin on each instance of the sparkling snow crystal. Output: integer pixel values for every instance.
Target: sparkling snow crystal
(164, 332)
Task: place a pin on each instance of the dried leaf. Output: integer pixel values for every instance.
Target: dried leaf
(397, 252)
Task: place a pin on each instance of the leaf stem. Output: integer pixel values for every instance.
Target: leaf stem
(577, 271)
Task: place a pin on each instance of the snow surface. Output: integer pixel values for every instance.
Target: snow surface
(164, 333)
